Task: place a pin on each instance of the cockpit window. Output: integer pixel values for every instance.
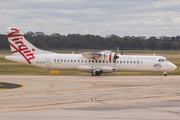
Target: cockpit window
(166, 60)
(163, 60)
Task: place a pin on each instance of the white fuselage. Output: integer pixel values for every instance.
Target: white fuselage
(95, 63)
(125, 63)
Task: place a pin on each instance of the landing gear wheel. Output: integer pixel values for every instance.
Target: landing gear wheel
(165, 73)
(98, 74)
(94, 73)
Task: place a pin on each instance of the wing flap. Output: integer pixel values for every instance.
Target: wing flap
(91, 55)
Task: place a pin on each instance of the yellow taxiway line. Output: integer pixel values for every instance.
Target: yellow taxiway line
(94, 99)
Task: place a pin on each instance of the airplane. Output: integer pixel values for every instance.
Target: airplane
(95, 63)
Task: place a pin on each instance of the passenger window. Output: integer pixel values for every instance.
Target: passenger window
(131, 62)
(159, 60)
(127, 61)
(96, 61)
(117, 61)
(61, 60)
(92, 61)
(134, 62)
(85, 61)
(103, 61)
(82, 61)
(54, 60)
(137, 62)
(120, 61)
(89, 61)
(106, 61)
(58, 60)
(71, 60)
(67, 60)
(74, 60)
(78, 60)
(124, 61)
(162, 60)
(100, 61)
(64, 60)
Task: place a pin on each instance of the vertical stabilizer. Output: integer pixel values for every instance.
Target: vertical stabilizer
(20, 46)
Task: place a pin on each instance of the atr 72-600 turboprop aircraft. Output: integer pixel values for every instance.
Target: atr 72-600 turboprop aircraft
(95, 63)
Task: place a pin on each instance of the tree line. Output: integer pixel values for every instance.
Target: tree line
(57, 41)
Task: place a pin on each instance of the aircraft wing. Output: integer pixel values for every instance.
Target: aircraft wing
(91, 55)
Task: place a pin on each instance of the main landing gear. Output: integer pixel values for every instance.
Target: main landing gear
(97, 72)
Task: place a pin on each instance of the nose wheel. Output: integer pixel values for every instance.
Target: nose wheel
(165, 73)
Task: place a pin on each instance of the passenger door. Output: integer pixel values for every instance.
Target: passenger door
(48, 63)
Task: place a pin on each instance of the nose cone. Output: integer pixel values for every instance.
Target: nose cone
(173, 66)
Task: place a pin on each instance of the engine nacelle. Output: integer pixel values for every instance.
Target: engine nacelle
(85, 68)
(103, 69)
(109, 57)
(108, 69)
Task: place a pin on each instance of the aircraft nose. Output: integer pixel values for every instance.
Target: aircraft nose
(173, 66)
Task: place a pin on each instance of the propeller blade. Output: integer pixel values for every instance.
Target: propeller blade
(115, 57)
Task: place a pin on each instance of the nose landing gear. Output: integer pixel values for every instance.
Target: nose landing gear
(165, 73)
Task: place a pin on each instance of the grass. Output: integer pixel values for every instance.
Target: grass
(5, 52)
(13, 68)
(1, 85)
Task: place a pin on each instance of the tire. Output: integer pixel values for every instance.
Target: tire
(165, 74)
(94, 73)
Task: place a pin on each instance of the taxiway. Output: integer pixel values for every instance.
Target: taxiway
(88, 97)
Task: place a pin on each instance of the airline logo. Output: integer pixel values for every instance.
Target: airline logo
(22, 48)
(157, 66)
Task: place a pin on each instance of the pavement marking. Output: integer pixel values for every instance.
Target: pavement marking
(22, 86)
(94, 99)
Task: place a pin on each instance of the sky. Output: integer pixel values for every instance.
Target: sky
(98, 17)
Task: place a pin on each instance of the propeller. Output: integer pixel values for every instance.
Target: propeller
(116, 56)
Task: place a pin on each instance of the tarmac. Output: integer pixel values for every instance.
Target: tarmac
(90, 98)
